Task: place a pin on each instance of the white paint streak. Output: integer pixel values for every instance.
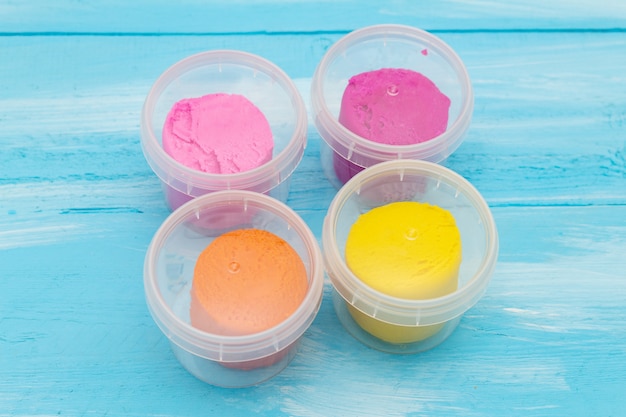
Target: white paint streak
(546, 328)
(24, 235)
(66, 205)
(540, 407)
(95, 111)
(560, 296)
(361, 397)
(87, 192)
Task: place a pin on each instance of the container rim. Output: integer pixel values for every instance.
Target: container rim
(233, 348)
(185, 179)
(346, 143)
(398, 310)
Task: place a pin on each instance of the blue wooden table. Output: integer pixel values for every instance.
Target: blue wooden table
(79, 205)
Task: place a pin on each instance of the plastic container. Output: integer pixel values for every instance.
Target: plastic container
(228, 361)
(232, 72)
(344, 153)
(426, 323)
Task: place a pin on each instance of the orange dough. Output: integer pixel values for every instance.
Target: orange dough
(246, 281)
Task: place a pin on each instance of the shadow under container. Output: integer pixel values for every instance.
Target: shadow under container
(227, 361)
(344, 153)
(230, 72)
(370, 315)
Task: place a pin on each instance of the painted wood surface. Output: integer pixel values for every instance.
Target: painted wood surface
(79, 205)
(269, 16)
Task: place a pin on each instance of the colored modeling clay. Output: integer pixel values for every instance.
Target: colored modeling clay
(246, 281)
(218, 133)
(391, 106)
(406, 250)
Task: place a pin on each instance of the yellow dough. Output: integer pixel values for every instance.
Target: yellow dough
(406, 250)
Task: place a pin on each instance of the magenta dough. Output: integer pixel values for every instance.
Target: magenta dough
(394, 107)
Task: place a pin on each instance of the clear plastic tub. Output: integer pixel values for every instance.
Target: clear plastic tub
(370, 315)
(232, 72)
(344, 153)
(228, 361)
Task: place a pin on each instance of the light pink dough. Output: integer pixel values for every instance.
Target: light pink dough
(218, 133)
(394, 107)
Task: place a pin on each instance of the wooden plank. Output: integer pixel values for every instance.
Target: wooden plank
(547, 336)
(216, 16)
(549, 122)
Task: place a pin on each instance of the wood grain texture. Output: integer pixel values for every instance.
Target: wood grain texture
(79, 205)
